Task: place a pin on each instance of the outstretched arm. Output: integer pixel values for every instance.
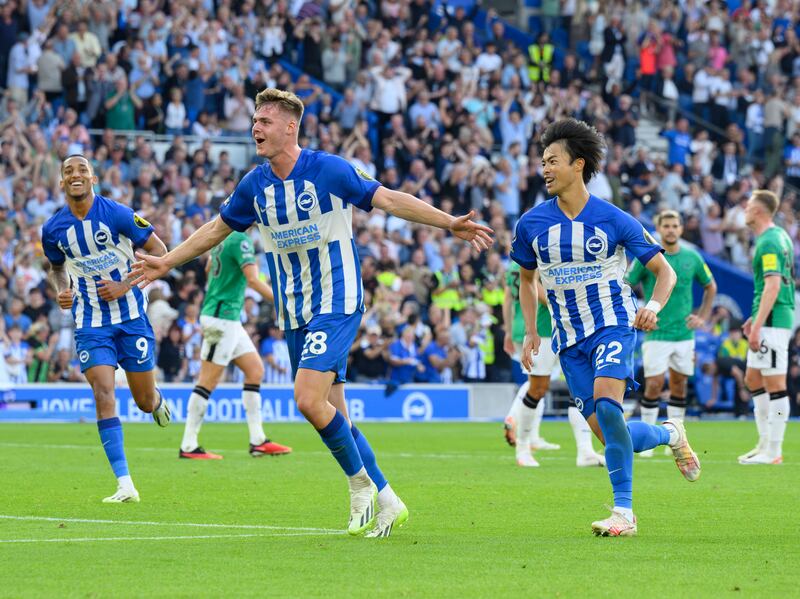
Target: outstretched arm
(111, 290)
(149, 268)
(407, 207)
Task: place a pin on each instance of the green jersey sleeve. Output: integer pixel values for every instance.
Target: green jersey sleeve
(243, 252)
(702, 273)
(770, 257)
(636, 272)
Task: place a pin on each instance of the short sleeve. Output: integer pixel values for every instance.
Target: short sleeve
(133, 226)
(702, 272)
(245, 253)
(238, 211)
(354, 185)
(770, 257)
(50, 247)
(521, 249)
(636, 273)
(635, 238)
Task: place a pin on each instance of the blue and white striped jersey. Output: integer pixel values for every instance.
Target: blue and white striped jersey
(99, 247)
(582, 263)
(306, 227)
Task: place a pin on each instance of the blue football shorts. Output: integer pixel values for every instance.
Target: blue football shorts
(607, 352)
(130, 344)
(324, 343)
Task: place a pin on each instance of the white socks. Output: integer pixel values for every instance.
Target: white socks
(387, 497)
(517, 403)
(761, 412)
(625, 511)
(675, 413)
(538, 414)
(778, 415)
(649, 415)
(125, 482)
(360, 480)
(195, 412)
(525, 422)
(251, 399)
(581, 431)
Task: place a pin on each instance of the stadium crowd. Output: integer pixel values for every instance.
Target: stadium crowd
(423, 97)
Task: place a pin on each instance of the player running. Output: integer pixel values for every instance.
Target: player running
(231, 269)
(527, 408)
(578, 242)
(89, 245)
(302, 202)
(769, 328)
(671, 345)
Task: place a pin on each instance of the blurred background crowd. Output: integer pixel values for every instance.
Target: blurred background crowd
(444, 101)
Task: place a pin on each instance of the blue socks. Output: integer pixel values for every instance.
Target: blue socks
(368, 457)
(647, 436)
(337, 436)
(110, 431)
(619, 450)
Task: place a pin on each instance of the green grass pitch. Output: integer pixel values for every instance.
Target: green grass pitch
(479, 527)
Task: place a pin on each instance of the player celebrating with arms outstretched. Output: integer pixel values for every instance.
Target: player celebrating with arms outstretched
(769, 328)
(302, 202)
(577, 242)
(89, 244)
(671, 345)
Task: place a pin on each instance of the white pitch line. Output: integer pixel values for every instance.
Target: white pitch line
(171, 524)
(389, 454)
(176, 538)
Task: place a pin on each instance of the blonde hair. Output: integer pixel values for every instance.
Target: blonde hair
(667, 215)
(286, 101)
(767, 199)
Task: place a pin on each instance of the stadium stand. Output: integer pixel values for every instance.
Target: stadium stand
(446, 101)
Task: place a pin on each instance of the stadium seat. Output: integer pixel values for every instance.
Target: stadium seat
(534, 26)
(560, 37)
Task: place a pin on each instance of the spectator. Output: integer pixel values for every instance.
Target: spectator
(402, 356)
(171, 359)
(120, 106)
(16, 318)
(368, 362)
(18, 356)
(64, 369)
(86, 45)
(439, 358)
(275, 354)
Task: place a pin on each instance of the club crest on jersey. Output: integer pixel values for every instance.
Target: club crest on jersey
(596, 245)
(101, 237)
(579, 404)
(83, 356)
(307, 201)
(140, 222)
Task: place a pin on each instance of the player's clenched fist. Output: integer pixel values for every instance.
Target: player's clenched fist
(529, 349)
(65, 299)
(646, 320)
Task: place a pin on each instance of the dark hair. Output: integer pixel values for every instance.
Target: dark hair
(579, 140)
